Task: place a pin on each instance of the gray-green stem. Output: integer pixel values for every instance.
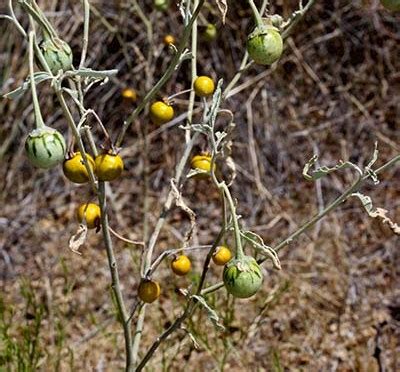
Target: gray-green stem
(115, 284)
(256, 13)
(36, 107)
(236, 228)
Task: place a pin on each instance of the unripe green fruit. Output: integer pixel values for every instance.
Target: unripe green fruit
(57, 54)
(45, 147)
(393, 5)
(161, 5)
(265, 45)
(242, 277)
(210, 33)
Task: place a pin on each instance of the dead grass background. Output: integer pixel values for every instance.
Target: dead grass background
(334, 306)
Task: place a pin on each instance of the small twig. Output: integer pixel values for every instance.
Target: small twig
(126, 240)
(85, 39)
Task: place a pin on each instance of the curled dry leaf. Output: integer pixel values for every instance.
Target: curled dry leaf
(78, 239)
(377, 212)
(223, 8)
(181, 204)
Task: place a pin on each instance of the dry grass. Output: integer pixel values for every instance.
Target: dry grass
(335, 304)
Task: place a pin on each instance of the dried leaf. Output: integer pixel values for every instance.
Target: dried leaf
(223, 8)
(78, 239)
(324, 170)
(181, 204)
(377, 212)
(212, 315)
(257, 242)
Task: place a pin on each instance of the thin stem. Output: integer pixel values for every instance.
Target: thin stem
(138, 333)
(36, 106)
(168, 73)
(85, 38)
(232, 207)
(46, 28)
(53, 32)
(193, 72)
(297, 16)
(318, 216)
(178, 94)
(14, 19)
(115, 284)
(256, 13)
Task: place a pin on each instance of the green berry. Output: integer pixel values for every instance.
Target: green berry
(45, 147)
(57, 54)
(242, 277)
(265, 45)
(210, 33)
(161, 5)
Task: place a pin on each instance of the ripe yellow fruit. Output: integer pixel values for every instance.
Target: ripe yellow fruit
(181, 265)
(222, 256)
(149, 291)
(89, 212)
(204, 86)
(129, 95)
(161, 113)
(74, 168)
(108, 167)
(202, 162)
(169, 39)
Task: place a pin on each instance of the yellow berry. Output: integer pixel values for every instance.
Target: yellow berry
(181, 265)
(161, 113)
(129, 94)
(149, 291)
(169, 39)
(89, 212)
(74, 168)
(108, 167)
(204, 86)
(222, 256)
(202, 162)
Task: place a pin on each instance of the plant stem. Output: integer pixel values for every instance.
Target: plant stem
(354, 187)
(115, 284)
(14, 19)
(232, 207)
(168, 73)
(40, 19)
(194, 73)
(85, 39)
(36, 106)
(256, 13)
(297, 16)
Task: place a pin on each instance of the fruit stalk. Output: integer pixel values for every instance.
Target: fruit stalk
(256, 13)
(239, 254)
(36, 107)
